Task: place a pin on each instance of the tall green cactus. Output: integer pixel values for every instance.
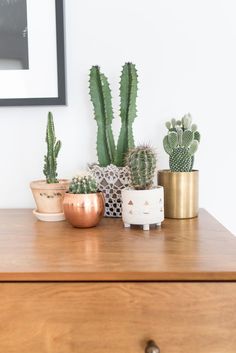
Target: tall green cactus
(141, 162)
(100, 94)
(53, 148)
(181, 143)
(128, 111)
(101, 98)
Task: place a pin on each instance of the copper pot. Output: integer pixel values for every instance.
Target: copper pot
(180, 193)
(84, 210)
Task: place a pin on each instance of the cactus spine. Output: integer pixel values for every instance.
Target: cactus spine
(83, 185)
(141, 162)
(181, 143)
(100, 94)
(53, 148)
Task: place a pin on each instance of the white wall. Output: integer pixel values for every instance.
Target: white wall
(185, 52)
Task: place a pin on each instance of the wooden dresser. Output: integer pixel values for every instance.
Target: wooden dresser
(111, 290)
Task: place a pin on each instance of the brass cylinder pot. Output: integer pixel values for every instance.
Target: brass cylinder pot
(180, 193)
(84, 210)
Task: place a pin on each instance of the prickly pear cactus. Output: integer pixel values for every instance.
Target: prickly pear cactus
(181, 143)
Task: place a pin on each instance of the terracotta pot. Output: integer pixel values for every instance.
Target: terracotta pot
(84, 210)
(111, 180)
(181, 193)
(143, 207)
(49, 197)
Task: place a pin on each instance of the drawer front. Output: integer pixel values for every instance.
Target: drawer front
(117, 317)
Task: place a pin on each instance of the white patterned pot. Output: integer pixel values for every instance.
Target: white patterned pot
(143, 207)
(111, 180)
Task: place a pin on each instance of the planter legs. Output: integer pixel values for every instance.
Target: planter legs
(146, 227)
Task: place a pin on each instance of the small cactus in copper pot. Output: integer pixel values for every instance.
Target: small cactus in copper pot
(83, 204)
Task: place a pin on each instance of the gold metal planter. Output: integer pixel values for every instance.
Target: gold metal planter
(180, 193)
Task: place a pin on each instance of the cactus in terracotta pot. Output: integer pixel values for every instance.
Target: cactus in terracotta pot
(49, 193)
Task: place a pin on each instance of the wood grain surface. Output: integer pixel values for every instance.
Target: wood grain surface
(113, 317)
(192, 249)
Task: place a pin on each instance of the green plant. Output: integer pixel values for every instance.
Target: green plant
(141, 162)
(100, 93)
(53, 148)
(83, 185)
(181, 143)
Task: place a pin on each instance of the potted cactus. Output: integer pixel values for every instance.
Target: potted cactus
(181, 181)
(142, 204)
(110, 172)
(49, 193)
(83, 204)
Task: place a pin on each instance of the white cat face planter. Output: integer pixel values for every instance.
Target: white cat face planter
(143, 207)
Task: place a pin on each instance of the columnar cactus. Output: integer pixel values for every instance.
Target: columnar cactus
(53, 148)
(101, 98)
(128, 111)
(100, 94)
(83, 185)
(181, 143)
(141, 162)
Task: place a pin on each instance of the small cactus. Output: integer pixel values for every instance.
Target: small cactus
(181, 143)
(53, 148)
(83, 185)
(141, 162)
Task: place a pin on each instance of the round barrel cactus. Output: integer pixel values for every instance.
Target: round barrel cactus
(83, 185)
(141, 162)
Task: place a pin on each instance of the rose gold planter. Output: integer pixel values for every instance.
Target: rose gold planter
(49, 197)
(180, 193)
(84, 210)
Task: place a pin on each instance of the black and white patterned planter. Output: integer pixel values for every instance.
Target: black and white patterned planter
(111, 180)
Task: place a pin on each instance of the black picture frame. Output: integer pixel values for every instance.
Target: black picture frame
(61, 79)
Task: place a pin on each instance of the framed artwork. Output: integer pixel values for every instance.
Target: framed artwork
(32, 63)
